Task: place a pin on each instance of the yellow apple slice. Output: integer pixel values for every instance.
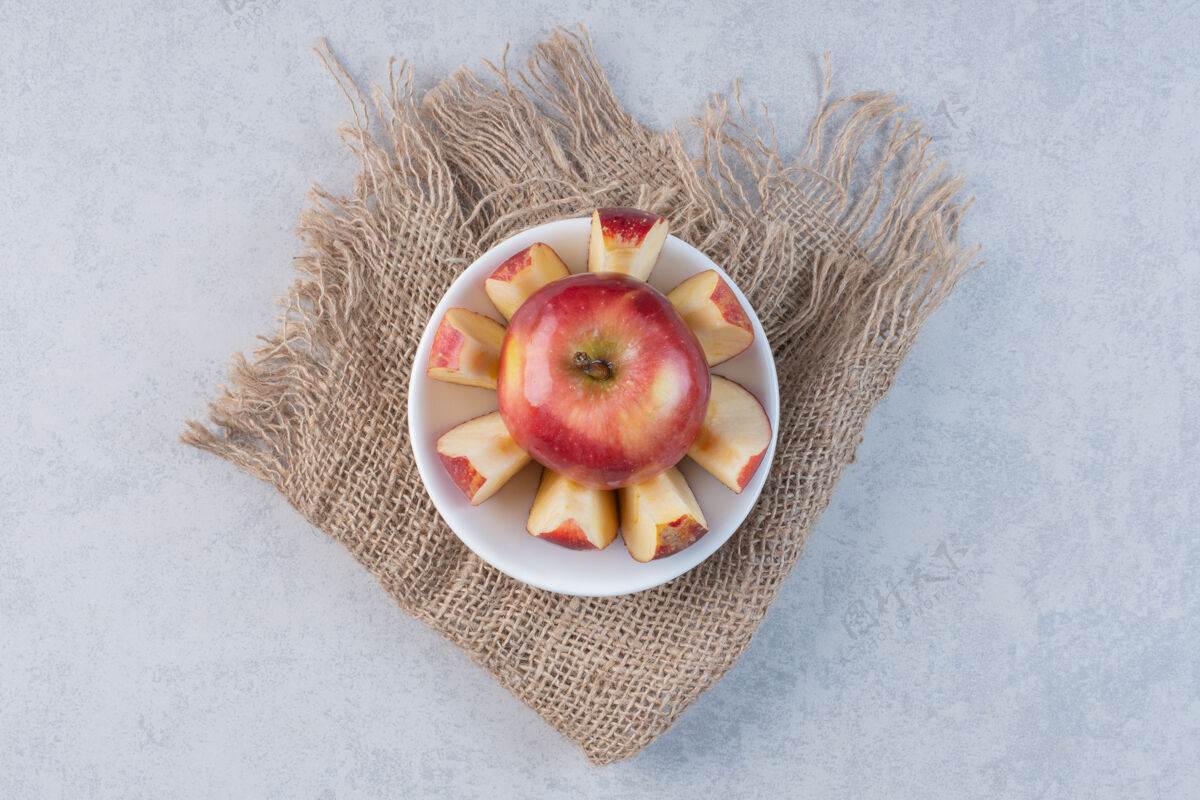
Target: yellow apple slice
(480, 456)
(660, 516)
(522, 275)
(625, 240)
(712, 311)
(735, 435)
(466, 349)
(573, 515)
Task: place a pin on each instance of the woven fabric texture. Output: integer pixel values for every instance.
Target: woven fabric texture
(843, 251)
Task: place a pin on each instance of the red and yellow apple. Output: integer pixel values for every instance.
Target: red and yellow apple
(605, 382)
(735, 435)
(601, 380)
(466, 349)
(480, 456)
(626, 240)
(573, 515)
(522, 275)
(660, 517)
(713, 312)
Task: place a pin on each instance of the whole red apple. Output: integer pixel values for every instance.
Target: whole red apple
(601, 380)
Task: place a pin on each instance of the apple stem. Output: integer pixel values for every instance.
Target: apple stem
(593, 368)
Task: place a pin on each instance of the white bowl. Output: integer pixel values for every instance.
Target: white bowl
(495, 530)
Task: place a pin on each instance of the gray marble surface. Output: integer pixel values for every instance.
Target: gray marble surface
(1021, 523)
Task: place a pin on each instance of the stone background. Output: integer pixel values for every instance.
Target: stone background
(1001, 600)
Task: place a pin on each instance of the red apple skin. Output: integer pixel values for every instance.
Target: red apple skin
(748, 471)
(465, 477)
(677, 535)
(512, 266)
(626, 226)
(568, 535)
(447, 346)
(604, 433)
(724, 299)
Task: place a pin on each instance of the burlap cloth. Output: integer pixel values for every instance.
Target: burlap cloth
(843, 253)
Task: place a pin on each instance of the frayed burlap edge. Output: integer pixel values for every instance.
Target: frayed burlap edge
(843, 251)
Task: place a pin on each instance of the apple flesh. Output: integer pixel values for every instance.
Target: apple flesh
(660, 517)
(735, 435)
(522, 275)
(713, 312)
(466, 349)
(601, 380)
(573, 515)
(480, 456)
(625, 240)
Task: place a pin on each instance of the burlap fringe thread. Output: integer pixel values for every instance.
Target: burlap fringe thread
(844, 252)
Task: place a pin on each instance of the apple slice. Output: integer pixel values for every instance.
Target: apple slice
(625, 240)
(522, 275)
(735, 435)
(466, 349)
(660, 516)
(573, 515)
(712, 311)
(480, 456)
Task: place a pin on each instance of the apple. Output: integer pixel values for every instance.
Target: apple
(735, 435)
(625, 240)
(522, 275)
(660, 516)
(466, 349)
(573, 515)
(480, 456)
(600, 379)
(713, 312)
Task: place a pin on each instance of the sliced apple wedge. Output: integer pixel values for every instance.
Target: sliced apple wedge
(625, 240)
(522, 275)
(660, 516)
(713, 312)
(573, 515)
(466, 349)
(735, 435)
(480, 456)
